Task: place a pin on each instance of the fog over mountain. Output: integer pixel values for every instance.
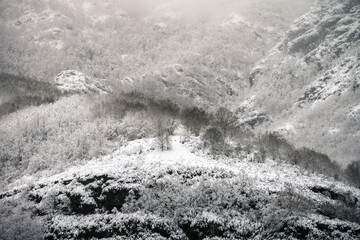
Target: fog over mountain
(179, 119)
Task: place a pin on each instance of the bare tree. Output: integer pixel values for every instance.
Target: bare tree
(225, 120)
(165, 127)
(214, 138)
(353, 173)
(194, 119)
(277, 147)
(163, 139)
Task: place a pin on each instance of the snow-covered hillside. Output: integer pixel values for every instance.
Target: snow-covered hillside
(310, 80)
(44, 38)
(139, 192)
(221, 120)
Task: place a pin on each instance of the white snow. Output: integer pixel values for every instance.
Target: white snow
(139, 159)
(333, 130)
(139, 163)
(335, 82)
(50, 38)
(236, 19)
(287, 128)
(127, 80)
(31, 18)
(87, 6)
(354, 113)
(99, 18)
(356, 108)
(75, 81)
(248, 104)
(124, 56)
(179, 154)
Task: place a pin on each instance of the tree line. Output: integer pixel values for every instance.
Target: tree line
(216, 129)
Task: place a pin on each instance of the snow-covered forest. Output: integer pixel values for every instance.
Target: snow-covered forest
(209, 119)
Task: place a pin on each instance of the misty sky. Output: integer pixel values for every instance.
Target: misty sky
(206, 9)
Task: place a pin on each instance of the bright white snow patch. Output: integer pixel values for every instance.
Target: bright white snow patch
(356, 109)
(75, 81)
(354, 113)
(288, 128)
(334, 131)
(124, 56)
(247, 105)
(178, 154)
(138, 146)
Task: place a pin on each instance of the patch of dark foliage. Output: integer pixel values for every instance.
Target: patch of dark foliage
(209, 230)
(20, 92)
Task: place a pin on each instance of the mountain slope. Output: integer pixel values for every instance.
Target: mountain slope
(310, 81)
(122, 39)
(143, 162)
